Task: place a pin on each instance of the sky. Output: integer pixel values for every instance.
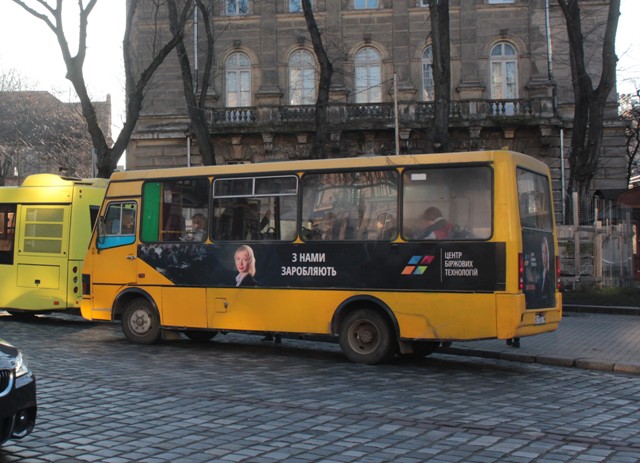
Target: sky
(30, 48)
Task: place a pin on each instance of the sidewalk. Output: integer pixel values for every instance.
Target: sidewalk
(589, 337)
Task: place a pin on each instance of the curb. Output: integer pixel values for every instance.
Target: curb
(567, 362)
(601, 309)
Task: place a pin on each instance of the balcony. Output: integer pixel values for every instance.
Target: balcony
(380, 116)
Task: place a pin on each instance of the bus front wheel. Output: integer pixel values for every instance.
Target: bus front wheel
(140, 322)
(367, 337)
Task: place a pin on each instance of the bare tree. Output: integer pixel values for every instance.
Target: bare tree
(195, 106)
(440, 45)
(12, 81)
(590, 102)
(135, 82)
(39, 133)
(324, 85)
(630, 105)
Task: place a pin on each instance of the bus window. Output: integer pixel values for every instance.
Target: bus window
(538, 248)
(175, 210)
(257, 208)
(119, 225)
(7, 232)
(461, 196)
(534, 200)
(350, 206)
(43, 229)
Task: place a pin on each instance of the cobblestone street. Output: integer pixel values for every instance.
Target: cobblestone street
(237, 399)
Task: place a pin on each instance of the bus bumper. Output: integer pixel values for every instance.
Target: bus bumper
(515, 320)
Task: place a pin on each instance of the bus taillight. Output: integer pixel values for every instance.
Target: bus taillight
(558, 273)
(520, 271)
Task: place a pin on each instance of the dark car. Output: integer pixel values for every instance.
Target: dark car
(17, 394)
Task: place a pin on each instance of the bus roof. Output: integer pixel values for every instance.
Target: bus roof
(47, 189)
(335, 163)
(46, 180)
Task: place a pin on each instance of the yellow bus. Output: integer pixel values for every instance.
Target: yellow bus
(45, 226)
(390, 254)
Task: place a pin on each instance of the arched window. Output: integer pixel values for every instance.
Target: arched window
(427, 74)
(302, 78)
(368, 76)
(504, 72)
(238, 80)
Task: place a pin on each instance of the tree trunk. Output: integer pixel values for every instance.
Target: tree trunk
(326, 72)
(590, 103)
(107, 156)
(195, 108)
(440, 45)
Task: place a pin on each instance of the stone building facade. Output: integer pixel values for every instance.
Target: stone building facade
(41, 134)
(510, 80)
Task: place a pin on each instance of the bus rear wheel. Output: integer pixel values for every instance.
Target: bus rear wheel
(140, 322)
(367, 337)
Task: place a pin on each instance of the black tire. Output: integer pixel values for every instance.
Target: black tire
(140, 322)
(424, 348)
(366, 337)
(200, 336)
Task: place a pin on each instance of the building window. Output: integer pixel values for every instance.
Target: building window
(368, 76)
(365, 4)
(302, 78)
(423, 3)
(238, 80)
(504, 75)
(295, 6)
(427, 74)
(237, 7)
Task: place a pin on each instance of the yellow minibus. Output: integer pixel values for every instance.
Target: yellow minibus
(389, 254)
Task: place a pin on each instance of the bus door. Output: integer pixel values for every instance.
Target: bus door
(41, 258)
(115, 259)
(538, 250)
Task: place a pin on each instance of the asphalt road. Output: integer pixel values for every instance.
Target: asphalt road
(236, 399)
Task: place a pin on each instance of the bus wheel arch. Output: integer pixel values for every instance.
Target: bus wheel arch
(367, 330)
(139, 316)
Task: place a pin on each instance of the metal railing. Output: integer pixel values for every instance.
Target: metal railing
(410, 113)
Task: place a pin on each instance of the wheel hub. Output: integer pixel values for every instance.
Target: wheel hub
(140, 322)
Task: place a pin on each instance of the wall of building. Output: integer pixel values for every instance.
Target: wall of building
(399, 30)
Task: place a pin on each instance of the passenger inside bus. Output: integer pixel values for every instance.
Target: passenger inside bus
(432, 226)
(128, 222)
(198, 229)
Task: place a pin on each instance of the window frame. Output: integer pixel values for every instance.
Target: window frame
(250, 225)
(333, 218)
(366, 4)
(295, 6)
(239, 70)
(365, 90)
(239, 7)
(460, 231)
(305, 94)
(8, 212)
(503, 60)
(426, 66)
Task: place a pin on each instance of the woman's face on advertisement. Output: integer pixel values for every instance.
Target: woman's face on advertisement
(242, 261)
